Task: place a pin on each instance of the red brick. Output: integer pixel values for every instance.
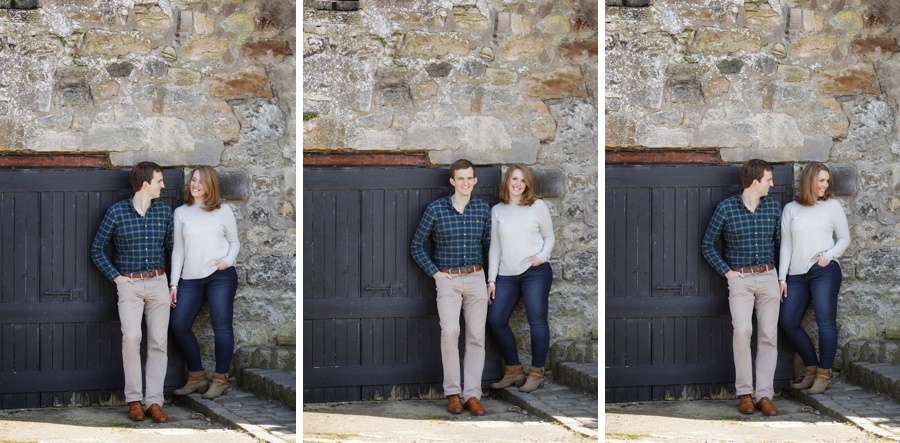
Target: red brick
(54, 161)
(662, 157)
(349, 160)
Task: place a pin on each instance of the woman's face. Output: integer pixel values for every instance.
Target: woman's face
(198, 189)
(516, 184)
(822, 183)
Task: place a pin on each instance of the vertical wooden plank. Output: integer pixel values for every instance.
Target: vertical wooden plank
(670, 215)
(693, 338)
(390, 341)
(340, 247)
(341, 350)
(402, 351)
(681, 340)
(354, 284)
(310, 211)
(390, 249)
(378, 241)
(400, 258)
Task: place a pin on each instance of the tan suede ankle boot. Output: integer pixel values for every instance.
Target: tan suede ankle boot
(218, 387)
(197, 381)
(514, 375)
(808, 379)
(535, 379)
(822, 383)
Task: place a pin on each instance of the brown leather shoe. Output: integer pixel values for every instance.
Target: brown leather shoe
(474, 407)
(135, 411)
(454, 405)
(156, 413)
(746, 406)
(765, 405)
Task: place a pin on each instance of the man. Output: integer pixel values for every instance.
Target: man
(461, 228)
(751, 224)
(141, 229)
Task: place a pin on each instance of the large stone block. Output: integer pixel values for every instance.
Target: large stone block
(263, 52)
(853, 80)
(204, 49)
(114, 44)
(561, 83)
(844, 179)
(234, 184)
(74, 94)
(252, 82)
(470, 18)
(874, 48)
(725, 41)
(816, 45)
(549, 182)
(433, 44)
(151, 16)
(522, 49)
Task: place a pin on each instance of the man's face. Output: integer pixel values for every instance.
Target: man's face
(763, 186)
(156, 185)
(463, 181)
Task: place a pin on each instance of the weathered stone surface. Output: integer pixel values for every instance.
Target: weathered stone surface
(844, 179)
(246, 83)
(762, 15)
(433, 44)
(501, 77)
(392, 93)
(849, 22)
(263, 52)
(874, 48)
(114, 44)
(73, 94)
(730, 66)
(859, 79)
(239, 24)
(234, 184)
(682, 89)
(204, 48)
(107, 89)
(793, 73)
(183, 77)
(813, 21)
(555, 25)
(579, 51)
(438, 69)
(814, 46)
(519, 25)
(725, 40)
(522, 49)
(122, 69)
(151, 16)
(557, 84)
(468, 17)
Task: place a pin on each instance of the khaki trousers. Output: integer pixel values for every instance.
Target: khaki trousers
(467, 293)
(147, 298)
(757, 292)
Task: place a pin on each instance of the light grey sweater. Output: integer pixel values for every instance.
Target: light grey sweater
(517, 234)
(201, 239)
(807, 231)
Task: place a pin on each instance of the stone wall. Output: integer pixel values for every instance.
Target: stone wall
(494, 81)
(180, 83)
(784, 80)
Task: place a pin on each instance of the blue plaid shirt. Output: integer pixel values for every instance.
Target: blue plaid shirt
(142, 242)
(751, 238)
(459, 239)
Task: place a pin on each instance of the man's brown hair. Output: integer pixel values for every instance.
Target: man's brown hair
(528, 196)
(461, 164)
(143, 172)
(809, 189)
(754, 170)
(210, 180)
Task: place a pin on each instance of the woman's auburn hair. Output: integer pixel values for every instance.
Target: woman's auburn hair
(528, 196)
(210, 180)
(808, 195)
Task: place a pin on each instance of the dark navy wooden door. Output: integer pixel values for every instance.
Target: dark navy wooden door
(60, 336)
(668, 326)
(370, 322)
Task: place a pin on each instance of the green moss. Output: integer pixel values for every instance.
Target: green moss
(307, 116)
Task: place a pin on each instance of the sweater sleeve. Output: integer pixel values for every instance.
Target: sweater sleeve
(545, 223)
(784, 261)
(177, 248)
(231, 235)
(494, 253)
(841, 232)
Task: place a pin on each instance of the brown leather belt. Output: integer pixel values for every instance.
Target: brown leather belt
(465, 270)
(145, 274)
(757, 270)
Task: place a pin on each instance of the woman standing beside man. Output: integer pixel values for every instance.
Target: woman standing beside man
(206, 247)
(521, 242)
(814, 233)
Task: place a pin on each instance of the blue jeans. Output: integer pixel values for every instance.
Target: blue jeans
(218, 290)
(820, 285)
(533, 286)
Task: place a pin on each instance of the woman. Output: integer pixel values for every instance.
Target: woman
(814, 233)
(206, 246)
(521, 242)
